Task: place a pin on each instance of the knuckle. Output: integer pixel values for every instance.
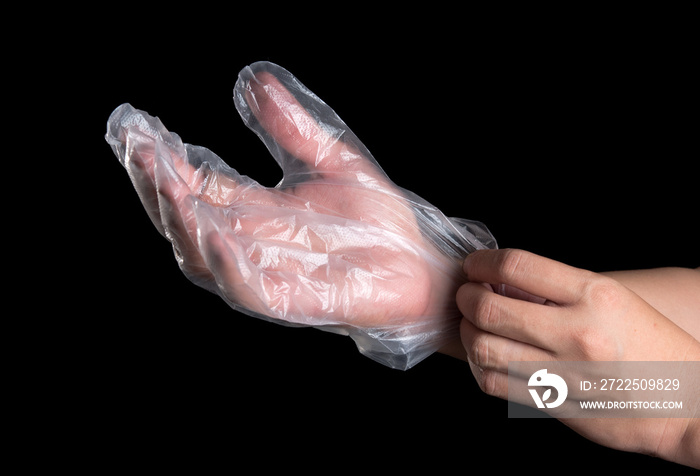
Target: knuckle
(593, 336)
(586, 340)
(489, 383)
(593, 343)
(603, 292)
(479, 351)
(485, 311)
(511, 263)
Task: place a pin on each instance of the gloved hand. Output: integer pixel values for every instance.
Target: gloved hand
(335, 245)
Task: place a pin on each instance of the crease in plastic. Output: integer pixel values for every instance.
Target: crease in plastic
(295, 254)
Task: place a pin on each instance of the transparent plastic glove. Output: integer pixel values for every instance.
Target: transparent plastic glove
(335, 245)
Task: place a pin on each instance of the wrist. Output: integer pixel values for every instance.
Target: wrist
(686, 449)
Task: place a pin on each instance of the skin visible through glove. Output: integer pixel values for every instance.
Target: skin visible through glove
(341, 247)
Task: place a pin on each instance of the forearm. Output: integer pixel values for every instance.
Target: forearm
(674, 292)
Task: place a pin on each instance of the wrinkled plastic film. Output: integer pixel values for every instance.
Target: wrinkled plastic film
(335, 245)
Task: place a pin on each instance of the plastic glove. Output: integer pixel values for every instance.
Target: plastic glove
(335, 245)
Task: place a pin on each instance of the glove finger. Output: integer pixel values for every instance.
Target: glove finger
(178, 220)
(134, 136)
(301, 131)
(219, 189)
(237, 281)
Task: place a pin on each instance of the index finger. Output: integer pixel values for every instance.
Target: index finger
(534, 274)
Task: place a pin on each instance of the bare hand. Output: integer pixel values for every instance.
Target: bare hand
(548, 311)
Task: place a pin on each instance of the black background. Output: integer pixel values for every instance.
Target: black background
(573, 136)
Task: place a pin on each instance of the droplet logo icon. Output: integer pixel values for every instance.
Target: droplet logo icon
(543, 379)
